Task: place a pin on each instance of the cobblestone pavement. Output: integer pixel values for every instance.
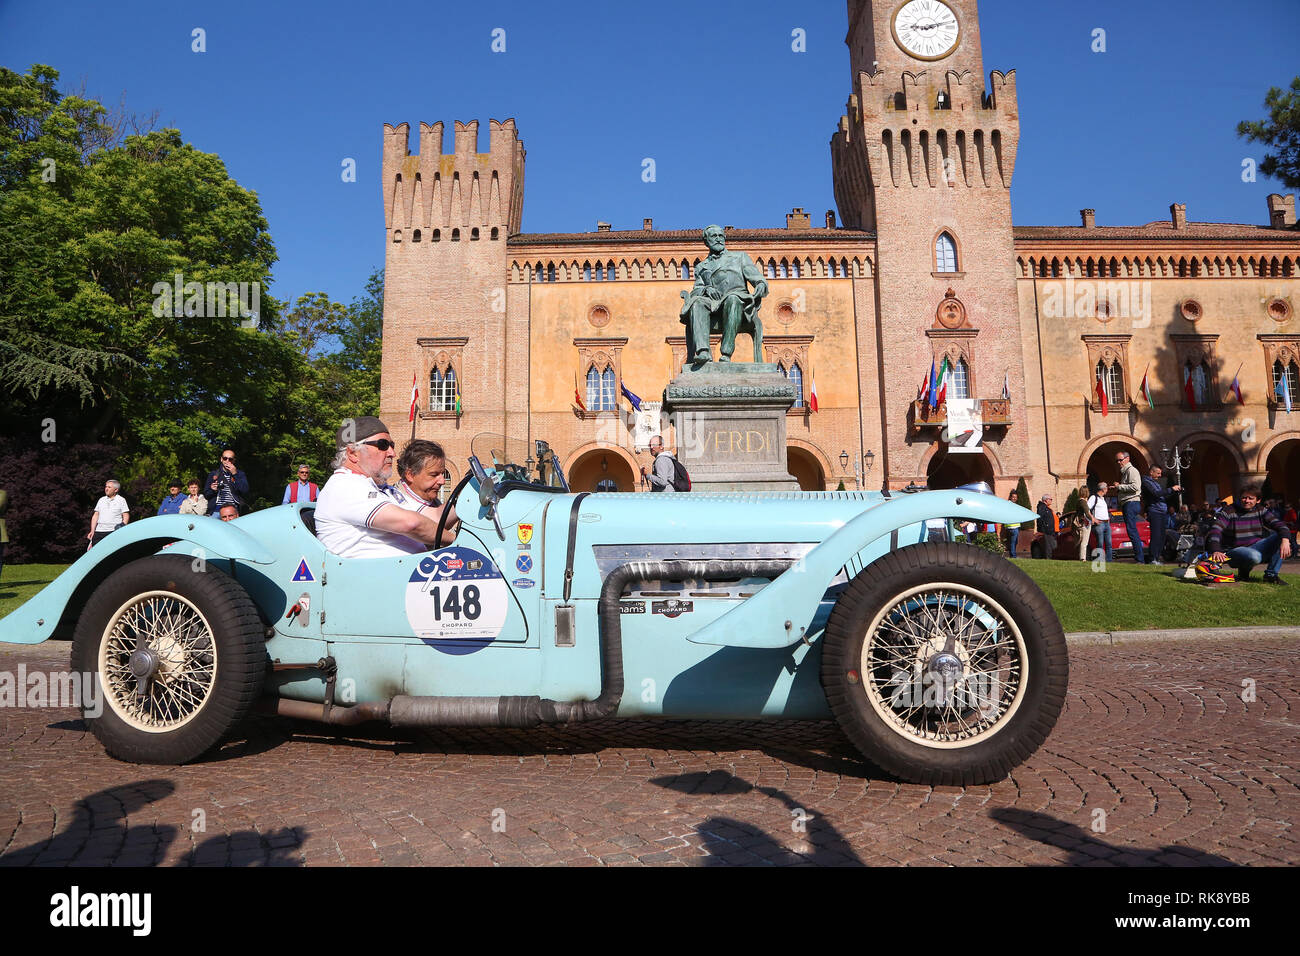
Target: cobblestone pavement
(1157, 760)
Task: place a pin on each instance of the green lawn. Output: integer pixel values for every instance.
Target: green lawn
(19, 582)
(1125, 597)
(1131, 597)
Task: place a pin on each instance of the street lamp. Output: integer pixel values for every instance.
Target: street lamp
(869, 459)
(1177, 461)
(844, 460)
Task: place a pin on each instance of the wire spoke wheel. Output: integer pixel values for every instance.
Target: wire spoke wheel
(944, 664)
(158, 661)
(178, 654)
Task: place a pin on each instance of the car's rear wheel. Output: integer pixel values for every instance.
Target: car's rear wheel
(945, 664)
(177, 652)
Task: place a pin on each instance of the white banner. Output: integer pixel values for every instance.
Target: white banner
(646, 424)
(965, 427)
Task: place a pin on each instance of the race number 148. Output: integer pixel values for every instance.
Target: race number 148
(456, 603)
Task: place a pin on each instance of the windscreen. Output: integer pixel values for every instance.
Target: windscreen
(530, 462)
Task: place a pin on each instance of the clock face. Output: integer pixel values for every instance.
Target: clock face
(926, 29)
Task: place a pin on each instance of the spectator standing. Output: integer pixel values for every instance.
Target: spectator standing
(171, 505)
(1253, 535)
(304, 489)
(1158, 500)
(194, 503)
(111, 512)
(1129, 491)
(1288, 515)
(1098, 509)
(662, 473)
(226, 484)
(1013, 531)
(1047, 525)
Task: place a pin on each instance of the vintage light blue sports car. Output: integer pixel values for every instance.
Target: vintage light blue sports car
(944, 663)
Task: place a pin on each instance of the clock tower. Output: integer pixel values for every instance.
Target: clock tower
(924, 158)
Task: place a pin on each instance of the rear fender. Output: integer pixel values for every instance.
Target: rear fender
(59, 603)
(793, 597)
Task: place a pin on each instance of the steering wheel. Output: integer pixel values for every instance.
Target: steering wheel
(446, 508)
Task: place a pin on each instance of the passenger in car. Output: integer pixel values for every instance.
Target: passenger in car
(423, 470)
(357, 513)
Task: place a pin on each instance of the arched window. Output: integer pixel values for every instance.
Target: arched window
(495, 232)
(794, 269)
(586, 272)
(834, 269)
(415, 236)
(437, 235)
(600, 390)
(959, 383)
(607, 484)
(600, 272)
(550, 272)
(945, 254)
(1112, 381)
(473, 234)
(610, 272)
(1289, 377)
(539, 275)
(442, 391)
(795, 374)
(770, 270)
(455, 235)
(686, 269)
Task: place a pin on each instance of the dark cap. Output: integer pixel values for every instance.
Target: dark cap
(358, 429)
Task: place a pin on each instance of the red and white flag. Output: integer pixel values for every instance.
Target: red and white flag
(415, 395)
(812, 394)
(1102, 397)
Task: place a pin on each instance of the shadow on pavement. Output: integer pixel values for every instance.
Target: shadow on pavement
(99, 834)
(1085, 847)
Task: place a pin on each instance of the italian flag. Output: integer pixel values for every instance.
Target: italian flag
(1144, 390)
(942, 388)
(415, 395)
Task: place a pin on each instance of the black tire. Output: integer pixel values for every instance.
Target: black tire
(181, 615)
(904, 609)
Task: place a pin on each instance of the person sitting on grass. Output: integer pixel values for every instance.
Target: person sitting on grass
(1254, 535)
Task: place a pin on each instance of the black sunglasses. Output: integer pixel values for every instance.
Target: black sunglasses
(383, 444)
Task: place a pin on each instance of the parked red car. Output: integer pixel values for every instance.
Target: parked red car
(1067, 539)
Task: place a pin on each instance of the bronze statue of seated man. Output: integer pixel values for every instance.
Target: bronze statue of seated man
(722, 301)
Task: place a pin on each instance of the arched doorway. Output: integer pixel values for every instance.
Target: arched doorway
(805, 468)
(1283, 467)
(1212, 475)
(596, 469)
(1103, 467)
(952, 471)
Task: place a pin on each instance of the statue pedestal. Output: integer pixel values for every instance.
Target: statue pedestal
(730, 424)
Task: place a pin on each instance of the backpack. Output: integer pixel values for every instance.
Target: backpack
(680, 476)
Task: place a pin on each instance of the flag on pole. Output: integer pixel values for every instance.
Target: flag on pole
(923, 392)
(631, 397)
(943, 383)
(1189, 391)
(1283, 392)
(1144, 390)
(812, 394)
(933, 391)
(577, 396)
(415, 395)
(459, 409)
(1006, 384)
(1101, 396)
(1235, 387)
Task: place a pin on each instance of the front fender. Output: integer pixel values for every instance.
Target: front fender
(794, 596)
(39, 618)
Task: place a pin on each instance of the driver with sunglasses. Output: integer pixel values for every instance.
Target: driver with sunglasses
(357, 513)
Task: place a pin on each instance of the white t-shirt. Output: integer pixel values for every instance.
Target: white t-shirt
(110, 511)
(345, 509)
(1100, 510)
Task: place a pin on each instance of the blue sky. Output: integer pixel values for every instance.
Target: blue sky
(286, 91)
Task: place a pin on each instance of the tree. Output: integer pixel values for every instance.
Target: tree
(1280, 133)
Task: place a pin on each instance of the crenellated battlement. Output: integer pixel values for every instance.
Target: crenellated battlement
(437, 192)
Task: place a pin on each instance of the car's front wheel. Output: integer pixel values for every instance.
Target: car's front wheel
(945, 664)
(176, 650)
